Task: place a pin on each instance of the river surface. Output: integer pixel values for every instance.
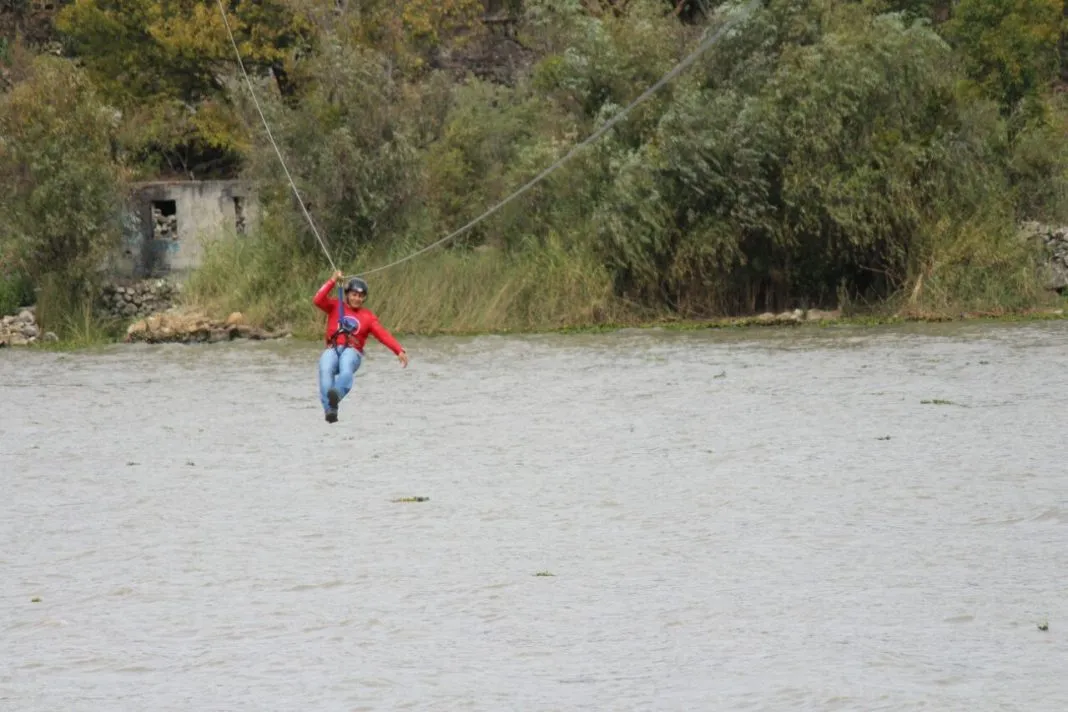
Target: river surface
(761, 519)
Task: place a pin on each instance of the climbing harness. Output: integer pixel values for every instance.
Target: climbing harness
(741, 15)
(347, 324)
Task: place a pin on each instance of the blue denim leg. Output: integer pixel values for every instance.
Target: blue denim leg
(348, 364)
(328, 367)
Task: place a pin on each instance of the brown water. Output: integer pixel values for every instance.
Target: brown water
(744, 520)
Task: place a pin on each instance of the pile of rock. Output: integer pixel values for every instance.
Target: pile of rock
(184, 327)
(164, 227)
(1055, 241)
(128, 301)
(22, 330)
(796, 316)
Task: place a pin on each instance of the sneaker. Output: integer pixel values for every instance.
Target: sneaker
(331, 416)
(333, 398)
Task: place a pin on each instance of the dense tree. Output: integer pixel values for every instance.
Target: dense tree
(165, 63)
(60, 215)
(821, 151)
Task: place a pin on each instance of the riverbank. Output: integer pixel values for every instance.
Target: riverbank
(190, 327)
(257, 289)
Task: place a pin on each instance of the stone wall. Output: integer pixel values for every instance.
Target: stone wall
(132, 299)
(1055, 241)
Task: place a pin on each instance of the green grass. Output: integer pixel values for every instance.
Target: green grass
(549, 289)
(454, 292)
(73, 319)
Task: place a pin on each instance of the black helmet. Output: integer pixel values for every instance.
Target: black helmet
(356, 285)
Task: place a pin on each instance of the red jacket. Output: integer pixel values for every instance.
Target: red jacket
(367, 322)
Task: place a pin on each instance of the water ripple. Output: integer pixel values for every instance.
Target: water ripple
(833, 519)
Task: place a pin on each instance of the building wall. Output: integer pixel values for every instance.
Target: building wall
(169, 223)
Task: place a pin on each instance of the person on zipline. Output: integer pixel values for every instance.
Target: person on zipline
(347, 325)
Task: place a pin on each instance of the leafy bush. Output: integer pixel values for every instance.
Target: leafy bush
(799, 169)
(60, 217)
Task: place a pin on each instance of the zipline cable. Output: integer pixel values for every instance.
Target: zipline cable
(741, 15)
(300, 201)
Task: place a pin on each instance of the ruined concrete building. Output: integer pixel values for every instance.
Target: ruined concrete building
(168, 223)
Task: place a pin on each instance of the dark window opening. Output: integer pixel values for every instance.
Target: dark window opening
(165, 219)
(239, 215)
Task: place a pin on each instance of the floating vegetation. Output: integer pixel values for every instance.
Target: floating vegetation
(35, 599)
(545, 573)
(937, 401)
(411, 499)
(883, 437)
(1043, 626)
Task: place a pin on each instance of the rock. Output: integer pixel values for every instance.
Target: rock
(191, 327)
(50, 337)
(820, 315)
(235, 319)
(137, 329)
(19, 329)
(131, 300)
(1054, 241)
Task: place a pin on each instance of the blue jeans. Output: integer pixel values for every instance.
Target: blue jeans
(337, 367)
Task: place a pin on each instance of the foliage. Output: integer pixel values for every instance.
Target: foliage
(60, 216)
(350, 142)
(1009, 46)
(16, 290)
(1038, 164)
(821, 153)
(459, 292)
(828, 173)
(160, 61)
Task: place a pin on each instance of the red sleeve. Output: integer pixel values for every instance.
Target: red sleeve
(382, 334)
(323, 298)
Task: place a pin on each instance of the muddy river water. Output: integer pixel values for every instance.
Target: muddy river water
(763, 519)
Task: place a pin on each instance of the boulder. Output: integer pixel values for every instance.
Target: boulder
(193, 327)
(19, 329)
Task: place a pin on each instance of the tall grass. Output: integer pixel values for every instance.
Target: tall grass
(265, 277)
(15, 291)
(974, 267)
(69, 312)
(444, 291)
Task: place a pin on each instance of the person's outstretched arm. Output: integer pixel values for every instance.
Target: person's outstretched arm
(324, 298)
(382, 334)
